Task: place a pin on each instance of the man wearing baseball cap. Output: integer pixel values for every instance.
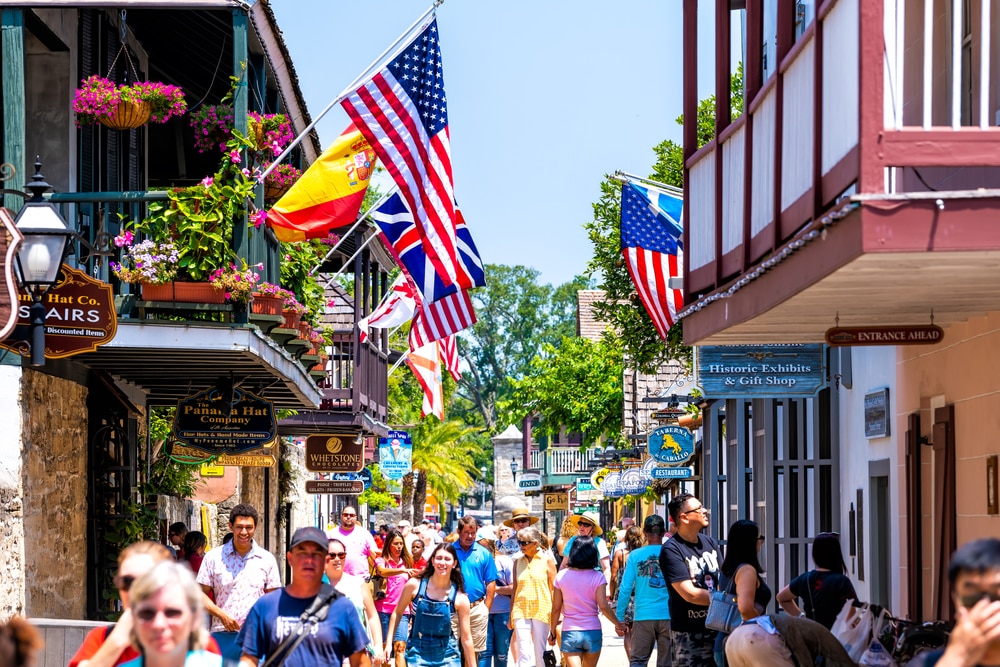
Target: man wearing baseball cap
(337, 637)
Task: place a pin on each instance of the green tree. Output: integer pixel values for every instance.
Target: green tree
(516, 316)
(577, 386)
(622, 309)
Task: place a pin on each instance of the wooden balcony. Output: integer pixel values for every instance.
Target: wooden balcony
(818, 200)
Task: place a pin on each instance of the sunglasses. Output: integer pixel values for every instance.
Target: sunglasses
(147, 615)
(969, 601)
(523, 519)
(123, 583)
(524, 543)
(348, 515)
(337, 554)
(760, 538)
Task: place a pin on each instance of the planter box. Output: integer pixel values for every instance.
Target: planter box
(182, 292)
(267, 305)
(292, 319)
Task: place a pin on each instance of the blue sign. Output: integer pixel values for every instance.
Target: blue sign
(673, 445)
(344, 476)
(767, 371)
(633, 482)
(395, 455)
(611, 487)
(366, 476)
(672, 473)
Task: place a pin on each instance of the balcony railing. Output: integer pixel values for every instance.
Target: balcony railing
(849, 101)
(563, 460)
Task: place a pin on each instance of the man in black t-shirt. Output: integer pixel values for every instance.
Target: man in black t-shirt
(691, 564)
(974, 572)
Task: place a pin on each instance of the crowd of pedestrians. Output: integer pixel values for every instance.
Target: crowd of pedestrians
(489, 592)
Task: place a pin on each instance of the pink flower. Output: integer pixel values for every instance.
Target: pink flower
(124, 239)
(207, 182)
(259, 218)
(234, 156)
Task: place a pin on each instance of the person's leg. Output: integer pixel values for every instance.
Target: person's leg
(573, 659)
(692, 649)
(661, 631)
(540, 640)
(642, 643)
(525, 644)
(592, 648)
(486, 657)
(590, 659)
(627, 643)
(399, 640)
(501, 639)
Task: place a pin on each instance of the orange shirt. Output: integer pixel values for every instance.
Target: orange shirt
(95, 639)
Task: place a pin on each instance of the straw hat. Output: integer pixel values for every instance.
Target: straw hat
(590, 517)
(520, 513)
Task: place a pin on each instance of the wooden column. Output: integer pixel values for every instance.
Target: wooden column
(241, 243)
(12, 73)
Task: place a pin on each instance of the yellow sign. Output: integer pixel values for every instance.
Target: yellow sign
(212, 470)
(256, 458)
(557, 501)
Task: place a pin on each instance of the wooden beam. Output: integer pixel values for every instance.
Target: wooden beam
(241, 56)
(12, 73)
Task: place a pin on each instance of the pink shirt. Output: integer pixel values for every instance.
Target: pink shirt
(238, 581)
(579, 594)
(393, 585)
(359, 544)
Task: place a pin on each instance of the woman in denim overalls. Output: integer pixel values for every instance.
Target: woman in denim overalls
(436, 594)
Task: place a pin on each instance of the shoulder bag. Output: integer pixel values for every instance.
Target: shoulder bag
(723, 614)
(378, 583)
(315, 614)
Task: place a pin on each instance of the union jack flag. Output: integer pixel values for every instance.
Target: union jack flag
(651, 246)
(403, 112)
(402, 238)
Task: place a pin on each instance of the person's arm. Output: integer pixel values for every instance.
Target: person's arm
(491, 590)
(691, 593)
(248, 661)
(513, 595)
(786, 600)
(616, 564)
(465, 630)
(374, 624)
(360, 659)
(391, 571)
(228, 622)
(550, 568)
(405, 598)
(975, 630)
(601, 597)
(628, 583)
(746, 590)
(557, 604)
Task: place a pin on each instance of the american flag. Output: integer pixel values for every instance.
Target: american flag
(651, 246)
(402, 238)
(449, 355)
(403, 112)
(442, 318)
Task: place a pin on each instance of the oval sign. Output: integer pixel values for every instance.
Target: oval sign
(633, 482)
(672, 445)
(597, 478)
(611, 486)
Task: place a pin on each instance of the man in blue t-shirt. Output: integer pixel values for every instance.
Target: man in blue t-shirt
(479, 574)
(643, 578)
(275, 616)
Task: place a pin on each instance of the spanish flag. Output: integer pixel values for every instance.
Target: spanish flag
(329, 194)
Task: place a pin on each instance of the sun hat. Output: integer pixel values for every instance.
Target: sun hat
(486, 533)
(520, 513)
(589, 517)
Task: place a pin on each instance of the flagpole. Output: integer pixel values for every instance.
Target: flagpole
(348, 260)
(398, 363)
(347, 91)
(624, 176)
(353, 227)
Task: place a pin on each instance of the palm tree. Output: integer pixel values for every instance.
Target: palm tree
(443, 458)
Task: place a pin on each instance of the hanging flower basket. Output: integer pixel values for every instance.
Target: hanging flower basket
(279, 181)
(127, 115)
(183, 292)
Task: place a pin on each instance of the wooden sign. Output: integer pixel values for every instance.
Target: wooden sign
(557, 501)
(924, 334)
(255, 458)
(334, 452)
(10, 239)
(337, 486)
(221, 422)
(667, 414)
(79, 316)
(877, 414)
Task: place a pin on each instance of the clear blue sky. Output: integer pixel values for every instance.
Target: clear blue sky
(544, 98)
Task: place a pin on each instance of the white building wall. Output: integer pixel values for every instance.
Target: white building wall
(872, 368)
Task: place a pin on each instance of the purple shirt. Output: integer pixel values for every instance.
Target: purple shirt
(579, 594)
(359, 545)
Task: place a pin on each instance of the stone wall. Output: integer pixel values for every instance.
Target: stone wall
(11, 496)
(54, 478)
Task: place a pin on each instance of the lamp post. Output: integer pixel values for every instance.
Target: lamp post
(482, 504)
(513, 469)
(46, 237)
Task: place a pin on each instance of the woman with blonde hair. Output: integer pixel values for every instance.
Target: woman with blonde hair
(531, 606)
(169, 626)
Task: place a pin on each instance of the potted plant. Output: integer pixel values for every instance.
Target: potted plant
(128, 106)
(237, 282)
(146, 262)
(293, 311)
(268, 299)
(278, 182)
(212, 125)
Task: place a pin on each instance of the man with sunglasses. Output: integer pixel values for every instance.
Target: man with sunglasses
(361, 547)
(690, 562)
(974, 573)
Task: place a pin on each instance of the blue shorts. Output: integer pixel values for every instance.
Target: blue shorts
(581, 641)
(402, 630)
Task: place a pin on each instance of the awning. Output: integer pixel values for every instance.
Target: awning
(169, 361)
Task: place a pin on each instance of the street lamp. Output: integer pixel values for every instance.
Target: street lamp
(46, 237)
(482, 505)
(513, 468)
